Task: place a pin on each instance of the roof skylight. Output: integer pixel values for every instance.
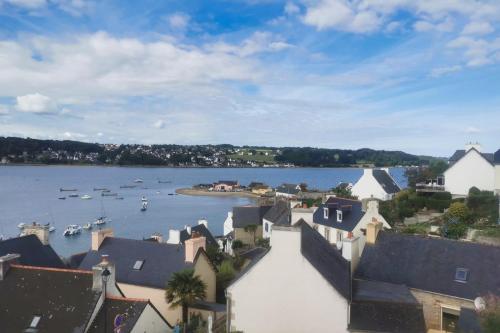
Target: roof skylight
(461, 275)
(138, 265)
(35, 321)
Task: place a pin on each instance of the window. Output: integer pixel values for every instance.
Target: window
(325, 212)
(327, 234)
(449, 319)
(138, 265)
(35, 321)
(461, 275)
(339, 216)
(339, 236)
(266, 226)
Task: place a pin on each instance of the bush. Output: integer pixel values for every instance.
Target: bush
(237, 244)
(454, 229)
(483, 205)
(459, 211)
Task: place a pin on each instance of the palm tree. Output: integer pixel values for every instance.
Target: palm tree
(252, 228)
(184, 289)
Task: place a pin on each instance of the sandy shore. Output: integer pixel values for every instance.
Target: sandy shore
(190, 191)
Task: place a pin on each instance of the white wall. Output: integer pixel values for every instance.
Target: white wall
(266, 234)
(471, 170)
(150, 321)
(497, 179)
(284, 293)
(302, 213)
(368, 187)
(228, 223)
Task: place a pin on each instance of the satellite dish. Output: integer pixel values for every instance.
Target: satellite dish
(480, 304)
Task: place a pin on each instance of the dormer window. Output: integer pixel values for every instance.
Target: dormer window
(339, 216)
(138, 265)
(35, 321)
(325, 212)
(461, 275)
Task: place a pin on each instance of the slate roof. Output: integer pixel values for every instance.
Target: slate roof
(327, 260)
(161, 260)
(32, 251)
(490, 157)
(63, 298)
(430, 264)
(279, 214)
(496, 157)
(351, 213)
(468, 322)
(386, 181)
(130, 309)
(288, 189)
(203, 231)
(246, 215)
(383, 292)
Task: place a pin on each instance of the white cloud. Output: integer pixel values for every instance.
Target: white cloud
(4, 109)
(291, 8)
(100, 134)
(73, 135)
(478, 28)
(36, 103)
(426, 26)
(28, 4)
(478, 52)
(393, 26)
(159, 124)
(440, 71)
(258, 42)
(178, 20)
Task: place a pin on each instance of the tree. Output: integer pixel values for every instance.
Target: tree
(459, 211)
(252, 228)
(184, 289)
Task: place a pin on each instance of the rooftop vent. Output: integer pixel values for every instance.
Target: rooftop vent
(138, 265)
(461, 275)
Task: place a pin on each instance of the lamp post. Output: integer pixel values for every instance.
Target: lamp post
(105, 276)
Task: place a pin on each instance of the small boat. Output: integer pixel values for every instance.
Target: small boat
(100, 221)
(104, 194)
(52, 229)
(138, 180)
(62, 198)
(128, 186)
(144, 199)
(86, 197)
(119, 198)
(21, 225)
(73, 195)
(106, 191)
(100, 189)
(87, 226)
(170, 194)
(164, 182)
(144, 206)
(72, 229)
(67, 189)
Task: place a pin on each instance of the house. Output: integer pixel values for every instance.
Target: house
(226, 185)
(32, 251)
(472, 168)
(307, 287)
(302, 213)
(246, 217)
(180, 236)
(375, 183)
(42, 299)
(261, 189)
(445, 276)
(279, 214)
(289, 190)
(143, 268)
(337, 218)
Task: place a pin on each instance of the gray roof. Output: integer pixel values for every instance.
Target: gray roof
(228, 182)
(430, 264)
(386, 181)
(288, 189)
(457, 155)
(161, 260)
(244, 216)
(381, 291)
(328, 261)
(130, 309)
(496, 157)
(32, 251)
(351, 213)
(279, 214)
(203, 231)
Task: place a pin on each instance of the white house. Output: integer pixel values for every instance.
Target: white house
(228, 223)
(338, 218)
(289, 191)
(472, 168)
(375, 183)
(301, 284)
(279, 214)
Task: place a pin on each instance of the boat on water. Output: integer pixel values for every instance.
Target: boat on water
(86, 197)
(49, 227)
(164, 181)
(144, 199)
(119, 198)
(100, 189)
(100, 221)
(74, 195)
(87, 226)
(67, 189)
(72, 229)
(62, 198)
(128, 186)
(21, 225)
(144, 206)
(107, 194)
(138, 180)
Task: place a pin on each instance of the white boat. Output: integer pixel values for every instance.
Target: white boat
(21, 225)
(86, 197)
(144, 206)
(100, 221)
(144, 199)
(52, 229)
(87, 226)
(72, 229)
(138, 180)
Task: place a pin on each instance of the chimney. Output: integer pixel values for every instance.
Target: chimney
(204, 222)
(230, 214)
(97, 274)
(5, 263)
(372, 230)
(174, 236)
(350, 250)
(41, 231)
(98, 237)
(372, 207)
(471, 145)
(192, 246)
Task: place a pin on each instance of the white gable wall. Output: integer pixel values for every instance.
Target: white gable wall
(228, 223)
(150, 321)
(368, 187)
(497, 179)
(471, 170)
(284, 293)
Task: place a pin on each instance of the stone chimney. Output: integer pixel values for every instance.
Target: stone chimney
(192, 246)
(471, 145)
(204, 222)
(372, 230)
(98, 236)
(174, 236)
(97, 274)
(41, 231)
(5, 263)
(350, 250)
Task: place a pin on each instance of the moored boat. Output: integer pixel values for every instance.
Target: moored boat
(72, 229)
(62, 198)
(138, 180)
(86, 197)
(74, 195)
(21, 225)
(68, 189)
(87, 226)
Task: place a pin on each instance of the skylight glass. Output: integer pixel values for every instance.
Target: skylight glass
(35, 321)
(461, 275)
(138, 265)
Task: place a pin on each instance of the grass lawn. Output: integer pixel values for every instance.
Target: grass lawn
(491, 232)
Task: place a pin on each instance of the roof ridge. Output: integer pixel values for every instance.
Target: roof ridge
(127, 299)
(332, 197)
(52, 269)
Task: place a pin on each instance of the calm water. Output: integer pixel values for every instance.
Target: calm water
(30, 193)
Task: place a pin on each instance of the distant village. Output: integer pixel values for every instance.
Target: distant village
(363, 257)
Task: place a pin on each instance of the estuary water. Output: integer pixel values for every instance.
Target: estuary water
(31, 193)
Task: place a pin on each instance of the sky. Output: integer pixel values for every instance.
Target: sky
(421, 76)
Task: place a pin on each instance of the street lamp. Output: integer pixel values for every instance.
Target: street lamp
(105, 276)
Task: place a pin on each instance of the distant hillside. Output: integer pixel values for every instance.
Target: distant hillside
(20, 150)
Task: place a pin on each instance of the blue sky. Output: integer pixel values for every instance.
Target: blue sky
(422, 76)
